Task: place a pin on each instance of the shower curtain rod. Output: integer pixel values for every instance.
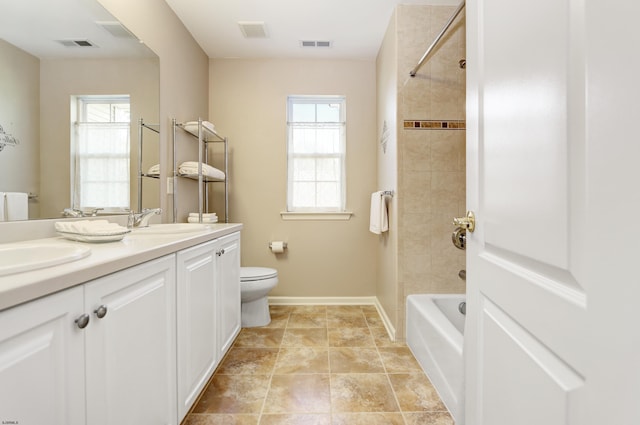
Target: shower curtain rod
(437, 40)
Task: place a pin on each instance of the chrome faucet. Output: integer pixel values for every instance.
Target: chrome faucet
(75, 212)
(141, 219)
(71, 212)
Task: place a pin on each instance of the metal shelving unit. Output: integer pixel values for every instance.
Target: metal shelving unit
(205, 136)
(141, 130)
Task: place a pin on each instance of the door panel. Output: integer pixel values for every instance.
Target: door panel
(524, 149)
(131, 358)
(552, 160)
(504, 398)
(228, 277)
(198, 353)
(41, 361)
(527, 305)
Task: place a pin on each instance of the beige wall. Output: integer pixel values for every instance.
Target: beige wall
(430, 163)
(387, 179)
(248, 105)
(62, 78)
(19, 117)
(183, 77)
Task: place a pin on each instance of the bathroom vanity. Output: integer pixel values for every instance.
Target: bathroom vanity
(129, 334)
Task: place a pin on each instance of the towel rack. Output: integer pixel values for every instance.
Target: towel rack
(388, 192)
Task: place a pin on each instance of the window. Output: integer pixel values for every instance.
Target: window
(101, 151)
(316, 154)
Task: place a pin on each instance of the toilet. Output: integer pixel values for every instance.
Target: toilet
(255, 284)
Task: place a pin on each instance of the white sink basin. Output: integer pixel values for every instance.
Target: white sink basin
(170, 228)
(24, 258)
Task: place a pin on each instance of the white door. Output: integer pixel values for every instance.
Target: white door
(131, 349)
(552, 334)
(42, 361)
(198, 352)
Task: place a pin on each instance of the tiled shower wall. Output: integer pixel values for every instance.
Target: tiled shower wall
(431, 153)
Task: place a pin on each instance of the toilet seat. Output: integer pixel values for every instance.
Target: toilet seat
(252, 274)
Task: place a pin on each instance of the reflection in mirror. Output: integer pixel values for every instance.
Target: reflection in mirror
(51, 55)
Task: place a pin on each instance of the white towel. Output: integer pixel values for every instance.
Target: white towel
(191, 167)
(16, 206)
(3, 207)
(204, 220)
(379, 218)
(154, 170)
(192, 127)
(90, 227)
(204, 215)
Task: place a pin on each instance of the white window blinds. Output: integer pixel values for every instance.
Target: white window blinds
(316, 154)
(102, 153)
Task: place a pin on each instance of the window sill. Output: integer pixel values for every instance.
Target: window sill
(317, 216)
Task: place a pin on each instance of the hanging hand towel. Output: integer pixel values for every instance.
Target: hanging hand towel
(378, 219)
(17, 206)
(3, 207)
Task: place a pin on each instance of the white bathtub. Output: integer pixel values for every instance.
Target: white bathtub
(435, 330)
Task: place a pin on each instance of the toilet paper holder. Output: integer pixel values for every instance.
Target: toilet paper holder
(284, 245)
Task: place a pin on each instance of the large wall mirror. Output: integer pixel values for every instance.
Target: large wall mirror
(51, 54)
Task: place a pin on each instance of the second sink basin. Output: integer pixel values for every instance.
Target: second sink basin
(23, 258)
(171, 228)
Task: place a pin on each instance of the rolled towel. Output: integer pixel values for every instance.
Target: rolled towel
(204, 215)
(90, 227)
(191, 168)
(192, 127)
(204, 220)
(154, 170)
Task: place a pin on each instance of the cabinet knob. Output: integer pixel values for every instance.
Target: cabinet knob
(82, 321)
(219, 253)
(101, 311)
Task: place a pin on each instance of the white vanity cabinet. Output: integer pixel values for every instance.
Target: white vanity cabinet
(108, 345)
(208, 310)
(130, 345)
(42, 361)
(135, 346)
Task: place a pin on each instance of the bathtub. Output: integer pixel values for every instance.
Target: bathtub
(435, 330)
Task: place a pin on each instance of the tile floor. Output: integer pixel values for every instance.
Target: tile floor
(319, 365)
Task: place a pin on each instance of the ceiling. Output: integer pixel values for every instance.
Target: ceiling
(355, 28)
(36, 26)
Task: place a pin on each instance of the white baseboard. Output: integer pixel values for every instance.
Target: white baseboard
(391, 330)
(274, 300)
(322, 300)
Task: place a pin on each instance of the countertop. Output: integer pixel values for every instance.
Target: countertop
(105, 258)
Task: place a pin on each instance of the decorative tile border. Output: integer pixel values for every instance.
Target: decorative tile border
(434, 125)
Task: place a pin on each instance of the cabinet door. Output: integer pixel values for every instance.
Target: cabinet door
(131, 372)
(228, 279)
(42, 361)
(197, 336)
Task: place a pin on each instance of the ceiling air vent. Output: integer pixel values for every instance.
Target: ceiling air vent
(116, 29)
(77, 43)
(253, 29)
(315, 43)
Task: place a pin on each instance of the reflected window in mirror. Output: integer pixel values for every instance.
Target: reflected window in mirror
(100, 152)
